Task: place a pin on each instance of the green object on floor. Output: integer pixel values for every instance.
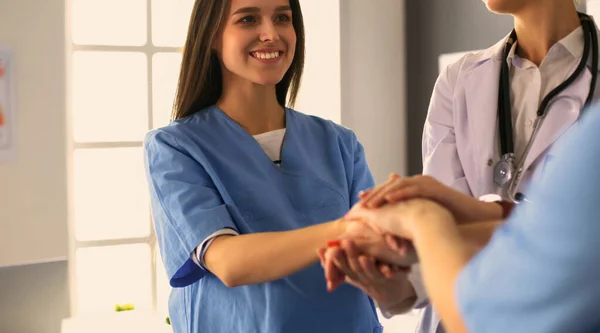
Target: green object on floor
(124, 307)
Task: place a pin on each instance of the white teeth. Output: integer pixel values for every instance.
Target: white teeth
(270, 55)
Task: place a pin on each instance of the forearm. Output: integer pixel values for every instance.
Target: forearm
(474, 210)
(479, 233)
(262, 257)
(442, 253)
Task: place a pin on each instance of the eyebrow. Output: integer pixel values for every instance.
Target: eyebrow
(257, 10)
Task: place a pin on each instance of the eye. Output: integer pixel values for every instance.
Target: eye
(283, 18)
(247, 20)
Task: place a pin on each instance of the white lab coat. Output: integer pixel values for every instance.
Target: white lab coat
(461, 141)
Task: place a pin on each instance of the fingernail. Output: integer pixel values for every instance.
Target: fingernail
(329, 286)
(334, 243)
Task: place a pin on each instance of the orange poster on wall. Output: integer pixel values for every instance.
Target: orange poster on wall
(7, 110)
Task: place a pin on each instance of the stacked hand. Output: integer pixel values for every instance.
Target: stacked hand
(376, 252)
(377, 263)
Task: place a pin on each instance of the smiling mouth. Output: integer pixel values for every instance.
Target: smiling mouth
(266, 55)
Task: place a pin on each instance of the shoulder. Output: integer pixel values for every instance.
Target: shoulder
(180, 133)
(471, 60)
(326, 130)
(315, 123)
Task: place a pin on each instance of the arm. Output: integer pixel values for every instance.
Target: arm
(253, 262)
(187, 208)
(443, 253)
(480, 233)
(267, 256)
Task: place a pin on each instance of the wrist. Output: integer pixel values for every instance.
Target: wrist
(336, 229)
(436, 221)
(492, 210)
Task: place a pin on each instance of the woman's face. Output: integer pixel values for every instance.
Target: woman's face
(257, 41)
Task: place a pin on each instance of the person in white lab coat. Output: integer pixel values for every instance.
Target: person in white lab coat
(484, 126)
(461, 140)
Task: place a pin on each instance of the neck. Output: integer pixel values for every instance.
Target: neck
(251, 105)
(541, 25)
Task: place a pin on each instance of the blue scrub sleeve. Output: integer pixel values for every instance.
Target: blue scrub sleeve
(362, 179)
(540, 272)
(186, 206)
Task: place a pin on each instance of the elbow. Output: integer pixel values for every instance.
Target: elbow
(229, 277)
(230, 280)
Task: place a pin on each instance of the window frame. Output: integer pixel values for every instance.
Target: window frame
(149, 50)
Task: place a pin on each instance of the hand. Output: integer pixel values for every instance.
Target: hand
(333, 274)
(386, 284)
(386, 248)
(464, 207)
(401, 219)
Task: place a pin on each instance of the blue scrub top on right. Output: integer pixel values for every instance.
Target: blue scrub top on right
(541, 270)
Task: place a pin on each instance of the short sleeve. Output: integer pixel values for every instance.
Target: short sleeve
(186, 206)
(540, 271)
(362, 178)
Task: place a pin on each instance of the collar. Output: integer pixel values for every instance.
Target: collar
(573, 43)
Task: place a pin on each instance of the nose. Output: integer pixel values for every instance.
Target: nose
(268, 32)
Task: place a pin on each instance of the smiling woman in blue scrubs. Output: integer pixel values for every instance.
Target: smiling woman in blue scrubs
(240, 184)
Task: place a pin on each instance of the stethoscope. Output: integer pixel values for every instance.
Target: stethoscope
(506, 174)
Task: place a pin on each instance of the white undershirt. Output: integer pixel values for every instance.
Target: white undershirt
(530, 84)
(271, 143)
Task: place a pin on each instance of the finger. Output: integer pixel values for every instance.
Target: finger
(339, 258)
(370, 270)
(387, 271)
(378, 199)
(393, 242)
(357, 284)
(321, 254)
(362, 214)
(374, 192)
(333, 284)
(404, 193)
(352, 258)
(364, 193)
(333, 273)
(397, 270)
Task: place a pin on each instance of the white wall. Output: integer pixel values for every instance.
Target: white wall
(373, 93)
(373, 81)
(33, 211)
(320, 90)
(593, 8)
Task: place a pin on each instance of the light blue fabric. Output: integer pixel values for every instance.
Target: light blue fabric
(541, 271)
(206, 173)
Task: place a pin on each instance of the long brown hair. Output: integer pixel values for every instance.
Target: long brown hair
(200, 81)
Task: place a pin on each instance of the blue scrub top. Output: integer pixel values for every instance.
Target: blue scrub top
(206, 173)
(541, 270)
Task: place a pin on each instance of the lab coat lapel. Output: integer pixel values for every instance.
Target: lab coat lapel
(481, 95)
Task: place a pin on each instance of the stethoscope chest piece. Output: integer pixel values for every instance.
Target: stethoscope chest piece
(504, 170)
